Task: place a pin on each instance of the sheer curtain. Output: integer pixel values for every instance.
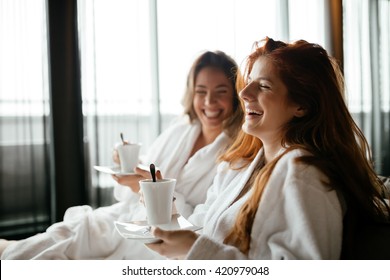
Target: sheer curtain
(24, 111)
(116, 82)
(367, 73)
(41, 151)
(231, 26)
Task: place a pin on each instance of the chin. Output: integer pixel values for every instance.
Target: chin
(213, 126)
(212, 123)
(250, 130)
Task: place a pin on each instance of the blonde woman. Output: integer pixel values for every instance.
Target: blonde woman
(187, 151)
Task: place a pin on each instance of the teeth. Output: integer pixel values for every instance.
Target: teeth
(250, 111)
(211, 114)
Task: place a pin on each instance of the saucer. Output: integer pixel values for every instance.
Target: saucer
(141, 230)
(113, 170)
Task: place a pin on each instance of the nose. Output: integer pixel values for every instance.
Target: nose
(246, 93)
(210, 98)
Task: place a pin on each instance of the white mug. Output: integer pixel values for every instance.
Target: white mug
(128, 156)
(158, 198)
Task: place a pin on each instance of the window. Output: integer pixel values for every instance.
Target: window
(24, 112)
(367, 64)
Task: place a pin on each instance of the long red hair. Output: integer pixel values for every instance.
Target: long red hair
(328, 131)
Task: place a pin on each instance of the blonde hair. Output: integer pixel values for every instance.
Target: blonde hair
(221, 61)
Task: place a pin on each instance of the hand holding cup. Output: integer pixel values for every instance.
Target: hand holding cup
(126, 154)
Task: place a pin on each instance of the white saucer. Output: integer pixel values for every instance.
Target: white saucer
(141, 230)
(113, 170)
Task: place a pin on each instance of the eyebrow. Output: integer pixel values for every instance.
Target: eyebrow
(219, 86)
(261, 79)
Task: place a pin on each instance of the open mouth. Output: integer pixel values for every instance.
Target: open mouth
(250, 112)
(212, 114)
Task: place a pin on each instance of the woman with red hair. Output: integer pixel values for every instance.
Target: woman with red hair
(298, 181)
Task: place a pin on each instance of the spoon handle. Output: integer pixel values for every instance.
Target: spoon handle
(153, 172)
(123, 141)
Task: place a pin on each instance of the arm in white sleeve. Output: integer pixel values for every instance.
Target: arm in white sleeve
(205, 248)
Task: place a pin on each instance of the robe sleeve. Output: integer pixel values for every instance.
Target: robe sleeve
(205, 248)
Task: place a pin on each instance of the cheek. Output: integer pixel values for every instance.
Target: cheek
(197, 102)
(227, 103)
(263, 101)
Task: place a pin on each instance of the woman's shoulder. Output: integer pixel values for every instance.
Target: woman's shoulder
(180, 124)
(292, 165)
(296, 152)
(292, 156)
(184, 121)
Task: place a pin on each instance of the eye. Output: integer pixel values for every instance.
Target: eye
(200, 92)
(263, 86)
(221, 92)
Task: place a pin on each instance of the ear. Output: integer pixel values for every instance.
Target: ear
(300, 112)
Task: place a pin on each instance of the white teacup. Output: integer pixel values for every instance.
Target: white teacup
(128, 156)
(158, 198)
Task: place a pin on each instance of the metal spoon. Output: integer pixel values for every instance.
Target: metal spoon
(123, 141)
(153, 172)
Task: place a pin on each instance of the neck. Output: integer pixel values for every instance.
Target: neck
(271, 150)
(205, 138)
(209, 135)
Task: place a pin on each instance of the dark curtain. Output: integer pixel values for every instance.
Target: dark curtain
(67, 121)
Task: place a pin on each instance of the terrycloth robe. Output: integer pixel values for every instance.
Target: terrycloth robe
(90, 234)
(298, 216)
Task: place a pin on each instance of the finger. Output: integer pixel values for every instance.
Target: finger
(158, 175)
(160, 233)
(115, 156)
(115, 177)
(142, 172)
(155, 246)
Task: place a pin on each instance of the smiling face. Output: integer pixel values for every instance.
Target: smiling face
(213, 98)
(267, 107)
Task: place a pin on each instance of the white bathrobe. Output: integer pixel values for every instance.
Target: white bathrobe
(298, 216)
(86, 233)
